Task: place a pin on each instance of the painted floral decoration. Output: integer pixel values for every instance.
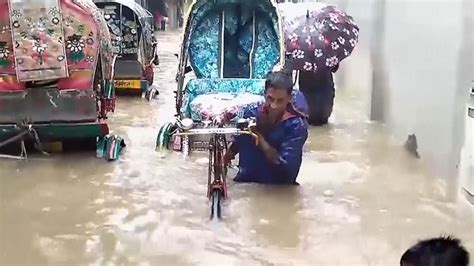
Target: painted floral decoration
(75, 43)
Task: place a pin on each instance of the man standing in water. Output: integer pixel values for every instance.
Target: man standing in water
(318, 88)
(282, 130)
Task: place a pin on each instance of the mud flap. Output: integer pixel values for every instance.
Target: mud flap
(109, 147)
(163, 137)
(144, 85)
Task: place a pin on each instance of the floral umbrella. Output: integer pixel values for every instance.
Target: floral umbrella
(320, 38)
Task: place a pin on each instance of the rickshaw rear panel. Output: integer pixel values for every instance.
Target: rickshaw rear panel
(56, 67)
(67, 96)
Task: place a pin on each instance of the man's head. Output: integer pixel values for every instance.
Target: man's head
(441, 251)
(278, 90)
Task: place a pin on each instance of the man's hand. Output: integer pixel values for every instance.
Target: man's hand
(228, 157)
(270, 152)
(265, 122)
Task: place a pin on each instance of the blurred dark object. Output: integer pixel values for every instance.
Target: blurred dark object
(318, 89)
(441, 251)
(411, 145)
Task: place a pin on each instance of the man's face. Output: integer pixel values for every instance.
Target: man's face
(276, 101)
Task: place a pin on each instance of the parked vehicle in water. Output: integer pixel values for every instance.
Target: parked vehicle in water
(56, 73)
(132, 31)
(231, 46)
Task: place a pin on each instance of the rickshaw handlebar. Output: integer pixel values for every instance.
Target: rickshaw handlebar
(244, 126)
(212, 131)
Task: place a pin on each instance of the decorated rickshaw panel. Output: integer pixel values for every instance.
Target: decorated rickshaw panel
(52, 41)
(7, 63)
(38, 38)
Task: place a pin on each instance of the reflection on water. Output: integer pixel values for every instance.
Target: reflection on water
(362, 200)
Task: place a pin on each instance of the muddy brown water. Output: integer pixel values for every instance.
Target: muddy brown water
(362, 200)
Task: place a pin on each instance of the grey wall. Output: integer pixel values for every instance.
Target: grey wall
(412, 68)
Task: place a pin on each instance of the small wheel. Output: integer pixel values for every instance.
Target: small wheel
(156, 60)
(151, 94)
(163, 138)
(216, 210)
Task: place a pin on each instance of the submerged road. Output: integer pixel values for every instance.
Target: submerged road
(362, 199)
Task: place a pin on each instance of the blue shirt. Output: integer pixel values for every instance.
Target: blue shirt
(287, 137)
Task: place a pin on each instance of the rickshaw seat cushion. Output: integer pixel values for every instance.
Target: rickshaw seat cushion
(197, 87)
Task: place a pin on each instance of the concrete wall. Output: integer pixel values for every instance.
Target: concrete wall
(412, 68)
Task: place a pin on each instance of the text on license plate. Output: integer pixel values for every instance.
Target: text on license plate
(127, 84)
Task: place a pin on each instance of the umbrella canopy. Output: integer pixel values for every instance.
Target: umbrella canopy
(317, 36)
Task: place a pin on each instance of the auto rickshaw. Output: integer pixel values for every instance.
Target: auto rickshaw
(56, 75)
(132, 30)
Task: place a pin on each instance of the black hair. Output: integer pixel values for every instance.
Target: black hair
(441, 251)
(279, 80)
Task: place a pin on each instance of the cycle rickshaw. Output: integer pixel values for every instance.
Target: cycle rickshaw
(56, 75)
(230, 45)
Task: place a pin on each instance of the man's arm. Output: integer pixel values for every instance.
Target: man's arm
(287, 158)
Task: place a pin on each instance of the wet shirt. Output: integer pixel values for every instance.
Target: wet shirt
(287, 137)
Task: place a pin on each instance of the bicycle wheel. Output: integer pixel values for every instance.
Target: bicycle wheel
(216, 209)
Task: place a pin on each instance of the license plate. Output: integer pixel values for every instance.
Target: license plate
(128, 84)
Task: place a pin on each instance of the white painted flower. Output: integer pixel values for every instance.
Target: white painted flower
(4, 53)
(308, 66)
(346, 53)
(318, 52)
(333, 26)
(308, 40)
(346, 31)
(320, 26)
(355, 31)
(341, 40)
(298, 54)
(353, 42)
(38, 26)
(334, 18)
(321, 38)
(331, 61)
(39, 47)
(5, 29)
(75, 44)
(294, 37)
(335, 45)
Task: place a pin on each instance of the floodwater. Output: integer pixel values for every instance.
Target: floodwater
(362, 200)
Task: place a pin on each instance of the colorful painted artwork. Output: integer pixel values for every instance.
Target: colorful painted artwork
(124, 28)
(4, 55)
(6, 45)
(38, 39)
(74, 34)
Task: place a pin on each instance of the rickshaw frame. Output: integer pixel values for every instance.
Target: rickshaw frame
(219, 133)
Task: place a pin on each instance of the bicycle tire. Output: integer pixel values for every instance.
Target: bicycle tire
(216, 208)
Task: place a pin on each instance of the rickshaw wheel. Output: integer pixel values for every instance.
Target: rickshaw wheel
(216, 210)
(163, 138)
(151, 94)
